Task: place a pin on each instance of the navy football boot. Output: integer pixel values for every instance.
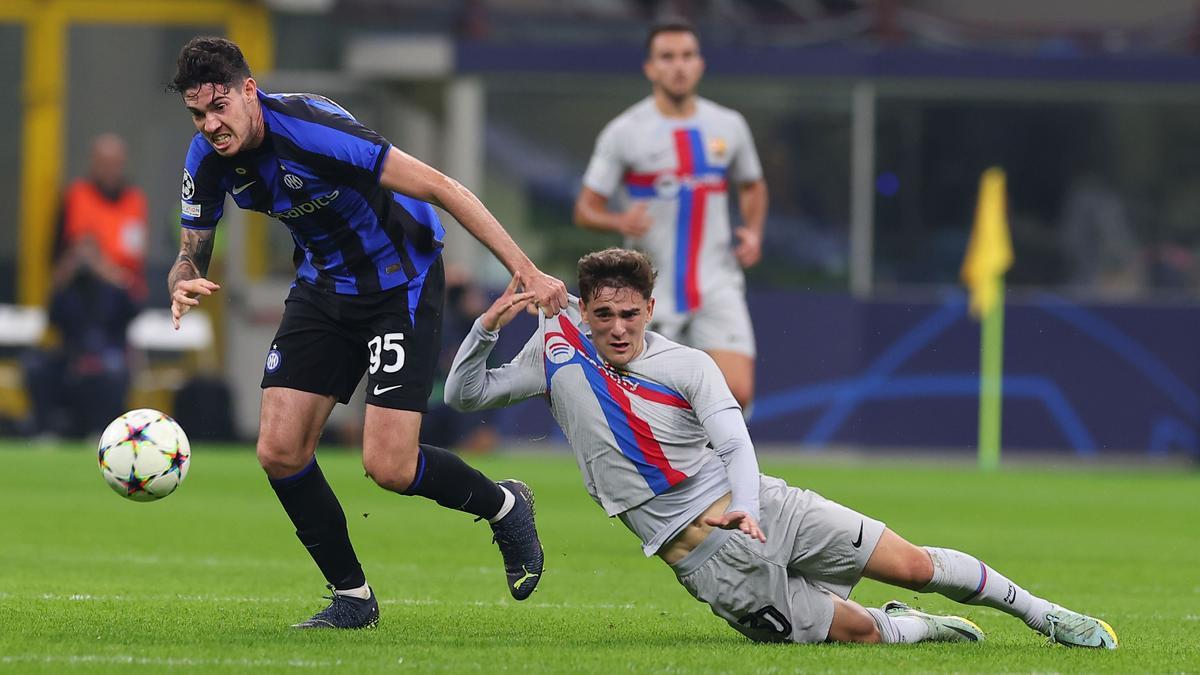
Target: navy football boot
(345, 611)
(517, 537)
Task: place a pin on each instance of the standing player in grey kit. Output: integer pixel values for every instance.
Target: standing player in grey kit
(662, 445)
(677, 155)
(367, 299)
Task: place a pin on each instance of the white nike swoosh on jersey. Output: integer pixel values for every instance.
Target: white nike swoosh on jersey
(238, 189)
(384, 390)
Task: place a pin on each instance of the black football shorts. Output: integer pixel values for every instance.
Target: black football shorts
(326, 341)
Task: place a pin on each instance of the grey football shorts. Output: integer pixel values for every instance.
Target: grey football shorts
(722, 323)
(781, 591)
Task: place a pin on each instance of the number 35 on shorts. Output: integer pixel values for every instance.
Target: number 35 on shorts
(387, 352)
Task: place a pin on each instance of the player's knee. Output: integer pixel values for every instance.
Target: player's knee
(390, 472)
(743, 394)
(852, 623)
(916, 568)
(739, 376)
(280, 461)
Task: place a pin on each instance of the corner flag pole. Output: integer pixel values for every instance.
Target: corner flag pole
(991, 379)
(989, 256)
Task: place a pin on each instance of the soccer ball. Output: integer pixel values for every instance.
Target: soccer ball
(144, 455)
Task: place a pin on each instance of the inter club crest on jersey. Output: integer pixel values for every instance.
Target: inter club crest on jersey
(274, 359)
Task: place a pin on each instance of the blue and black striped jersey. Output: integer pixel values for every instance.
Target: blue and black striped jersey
(317, 171)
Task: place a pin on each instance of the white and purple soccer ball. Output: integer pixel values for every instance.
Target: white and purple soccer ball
(144, 455)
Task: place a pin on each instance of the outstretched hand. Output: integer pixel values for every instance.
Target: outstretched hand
(737, 520)
(186, 294)
(549, 293)
(507, 306)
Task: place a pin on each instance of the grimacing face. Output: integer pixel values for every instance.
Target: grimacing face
(618, 318)
(225, 115)
(674, 64)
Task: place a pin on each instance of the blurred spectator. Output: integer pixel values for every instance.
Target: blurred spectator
(1098, 241)
(77, 387)
(1171, 257)
(443, 426)
(106, 208)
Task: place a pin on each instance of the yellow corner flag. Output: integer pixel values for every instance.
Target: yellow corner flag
(989, 254)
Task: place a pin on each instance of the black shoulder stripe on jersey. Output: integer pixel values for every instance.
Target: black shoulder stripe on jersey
(298, 108)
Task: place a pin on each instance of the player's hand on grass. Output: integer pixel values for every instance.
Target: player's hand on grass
(507, 306)
(549, 293)
(749, 247)
(635, 222)
(737, 520)
(186, 295)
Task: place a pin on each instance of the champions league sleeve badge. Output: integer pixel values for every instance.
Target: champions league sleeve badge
(189, 186)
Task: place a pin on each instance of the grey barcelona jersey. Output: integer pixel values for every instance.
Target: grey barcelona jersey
(681, 168)
(637, 433)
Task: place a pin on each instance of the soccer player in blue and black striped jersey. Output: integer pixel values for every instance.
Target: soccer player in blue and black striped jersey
(367, 298)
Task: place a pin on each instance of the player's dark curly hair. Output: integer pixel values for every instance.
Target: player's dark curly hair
(209, 60)
(615, 268)
(673, 25)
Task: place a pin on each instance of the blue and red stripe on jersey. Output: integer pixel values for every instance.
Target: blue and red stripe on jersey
(635, 439)
(696, 179)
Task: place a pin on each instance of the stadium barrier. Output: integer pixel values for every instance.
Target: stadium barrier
(165, 358)
(1080, 379)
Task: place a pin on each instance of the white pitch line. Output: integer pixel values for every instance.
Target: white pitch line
(78, 659)
(216, 599)
(216, 561)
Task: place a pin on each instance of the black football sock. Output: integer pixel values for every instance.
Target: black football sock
(443, 477)
(320, 525)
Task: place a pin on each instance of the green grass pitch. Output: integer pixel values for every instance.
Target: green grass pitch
(209, 579)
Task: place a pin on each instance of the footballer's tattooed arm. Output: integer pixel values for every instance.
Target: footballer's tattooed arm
(195, 253)
(186, 280)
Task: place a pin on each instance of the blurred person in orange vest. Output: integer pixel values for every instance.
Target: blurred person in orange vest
(107, 209)
(99, 284)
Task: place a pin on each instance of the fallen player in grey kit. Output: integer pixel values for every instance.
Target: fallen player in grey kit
(662, 445)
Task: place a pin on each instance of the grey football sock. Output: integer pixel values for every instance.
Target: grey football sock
(966, 579)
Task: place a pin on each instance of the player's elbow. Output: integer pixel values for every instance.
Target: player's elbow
(580, 215)
(448, 193)
(456, 398)
(459, 404)
(590, 207)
